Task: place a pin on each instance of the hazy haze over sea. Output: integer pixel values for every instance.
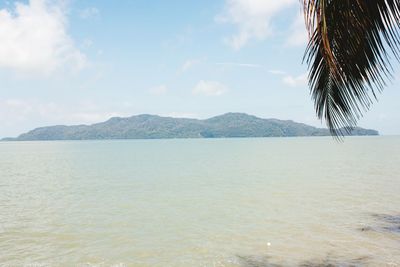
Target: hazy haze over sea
(201, 202)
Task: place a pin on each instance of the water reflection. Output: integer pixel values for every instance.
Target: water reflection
(390, 223)
(328, 261)
(384, 223)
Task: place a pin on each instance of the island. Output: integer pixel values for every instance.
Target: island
(146, 126)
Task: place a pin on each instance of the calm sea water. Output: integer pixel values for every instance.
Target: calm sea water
(216, 202)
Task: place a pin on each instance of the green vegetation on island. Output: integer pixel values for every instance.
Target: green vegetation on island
(156, 127)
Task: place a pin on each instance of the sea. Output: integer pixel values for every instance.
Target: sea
(248, 202)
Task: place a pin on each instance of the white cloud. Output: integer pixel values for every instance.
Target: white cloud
(296, 81)
(21, 111)
(15, 109)
(209, 88)
(189, 64)
(187, 115)
(159, 90)
(252, 18)
(298, 35)
(89, 12)
(34, 38)
(20, 115)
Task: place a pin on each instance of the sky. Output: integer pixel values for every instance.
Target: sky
(84, 61)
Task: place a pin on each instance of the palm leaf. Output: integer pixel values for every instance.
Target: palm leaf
(351, 42)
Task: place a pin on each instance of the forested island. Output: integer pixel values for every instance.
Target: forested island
(145, 126)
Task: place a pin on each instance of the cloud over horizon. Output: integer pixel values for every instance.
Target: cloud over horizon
(209, 88)
(295, 81)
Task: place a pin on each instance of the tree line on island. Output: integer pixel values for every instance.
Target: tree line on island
(228, 125)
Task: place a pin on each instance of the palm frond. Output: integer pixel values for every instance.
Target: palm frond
(349, 56)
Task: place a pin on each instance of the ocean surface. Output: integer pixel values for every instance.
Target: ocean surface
(201, 202)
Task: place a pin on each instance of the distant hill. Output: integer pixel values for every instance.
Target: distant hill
(152, 126)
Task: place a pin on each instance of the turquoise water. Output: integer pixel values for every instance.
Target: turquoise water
(201, 202)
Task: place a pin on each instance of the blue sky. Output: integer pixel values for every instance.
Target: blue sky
(73, 62)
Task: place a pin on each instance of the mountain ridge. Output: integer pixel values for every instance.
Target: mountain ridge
(147, 126)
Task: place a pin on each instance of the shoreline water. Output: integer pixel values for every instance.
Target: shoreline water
(197, 202)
